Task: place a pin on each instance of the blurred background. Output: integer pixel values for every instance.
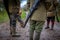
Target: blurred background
(3, 13)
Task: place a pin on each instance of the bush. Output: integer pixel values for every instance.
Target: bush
(3, 16)
(23, 16)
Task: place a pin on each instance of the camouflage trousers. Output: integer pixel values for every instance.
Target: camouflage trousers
(13, 19)
(35, 27)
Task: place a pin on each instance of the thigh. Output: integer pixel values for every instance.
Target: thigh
(39, 26)
(53, 18)
(32, 25)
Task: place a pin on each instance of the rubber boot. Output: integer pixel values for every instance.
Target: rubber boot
(31, 33)
(13, 30)
(37, 36)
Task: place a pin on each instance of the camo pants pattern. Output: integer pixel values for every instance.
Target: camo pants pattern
(37, 27)
(13, 19)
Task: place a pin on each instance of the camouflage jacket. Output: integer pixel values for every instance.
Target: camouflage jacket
(40, 13)
(14, 6)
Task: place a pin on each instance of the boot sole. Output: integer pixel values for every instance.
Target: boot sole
(16, 35)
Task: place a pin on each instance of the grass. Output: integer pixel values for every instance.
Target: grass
(3, 16)
(58, 18)
(23, 16)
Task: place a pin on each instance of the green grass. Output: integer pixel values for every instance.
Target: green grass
(23, 16)
(59, 18)
(3, 16)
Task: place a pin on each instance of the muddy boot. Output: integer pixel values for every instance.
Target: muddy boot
(31, 33)
(13, 32)
(31, 37)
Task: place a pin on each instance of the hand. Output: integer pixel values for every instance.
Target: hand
(22, 25)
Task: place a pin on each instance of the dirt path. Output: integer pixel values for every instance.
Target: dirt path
(48, 34)
(5, 32)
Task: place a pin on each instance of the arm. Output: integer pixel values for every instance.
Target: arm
(33, 8)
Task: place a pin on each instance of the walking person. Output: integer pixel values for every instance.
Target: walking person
(37, 20)
(51, 12)
(12, 7)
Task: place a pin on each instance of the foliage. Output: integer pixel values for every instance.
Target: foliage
(3, 17)
(23, 14)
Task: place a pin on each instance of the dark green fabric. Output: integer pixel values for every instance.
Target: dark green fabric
(36, 25)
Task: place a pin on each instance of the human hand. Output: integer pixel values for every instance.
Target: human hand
(22, 25)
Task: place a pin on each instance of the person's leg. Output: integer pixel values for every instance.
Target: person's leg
(32, 28)
(52, 22)
(38, 28)
(37, 35)
(12, 25)
(48, 22)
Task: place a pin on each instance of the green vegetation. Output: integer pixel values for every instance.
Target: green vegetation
(3, 16)
(23, 14)
(59, 17)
